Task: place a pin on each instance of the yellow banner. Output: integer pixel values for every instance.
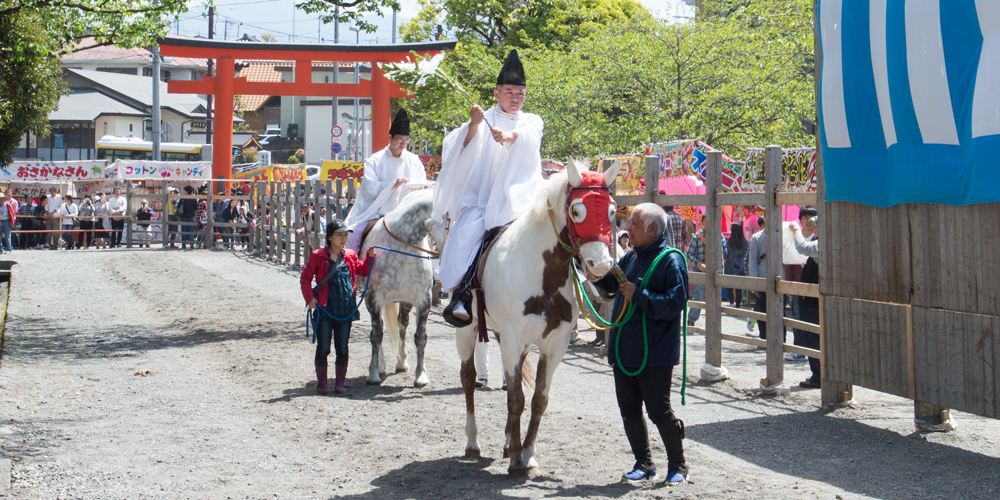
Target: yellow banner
(341, 170)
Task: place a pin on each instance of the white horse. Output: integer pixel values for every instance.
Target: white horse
(400, 283)
(529, 297)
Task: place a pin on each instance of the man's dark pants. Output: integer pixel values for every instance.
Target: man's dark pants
(652, 387)
(806, 339)
(761, 307)
(117, 225)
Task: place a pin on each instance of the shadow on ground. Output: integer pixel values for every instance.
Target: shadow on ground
(456, 477)
(40, 337)
(854, 456)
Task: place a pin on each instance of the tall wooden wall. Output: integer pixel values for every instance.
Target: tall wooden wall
(912, 302)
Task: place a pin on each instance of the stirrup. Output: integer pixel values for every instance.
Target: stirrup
(460, 313)
(457, 299)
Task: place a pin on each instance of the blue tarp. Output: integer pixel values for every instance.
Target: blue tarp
(910, 101)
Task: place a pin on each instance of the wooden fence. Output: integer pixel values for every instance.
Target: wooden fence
(160, 201)
(276, 236)
(772, 199)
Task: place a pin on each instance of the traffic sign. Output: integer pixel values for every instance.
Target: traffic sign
(336, 131)
(336, 148)
(236, 150)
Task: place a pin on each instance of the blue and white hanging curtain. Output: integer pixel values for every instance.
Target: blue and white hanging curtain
(910, 101)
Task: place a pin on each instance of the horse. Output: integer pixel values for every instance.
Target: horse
(399, 283)
(529, 298)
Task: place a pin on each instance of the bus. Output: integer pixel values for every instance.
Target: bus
(113, 148)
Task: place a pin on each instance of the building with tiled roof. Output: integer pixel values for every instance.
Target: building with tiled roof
(87, 55)
(263, 111)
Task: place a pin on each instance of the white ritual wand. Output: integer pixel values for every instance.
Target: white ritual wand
(426, 79)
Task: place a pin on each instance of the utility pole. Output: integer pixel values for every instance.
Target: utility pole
(156, 98)
(393, 25)
(334, 100)
(211, 66)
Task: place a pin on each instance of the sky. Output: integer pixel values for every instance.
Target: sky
(280, 18)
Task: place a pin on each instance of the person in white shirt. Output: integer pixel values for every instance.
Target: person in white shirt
(384, 184)
(52, 224)
(67, 212)
(117, 208)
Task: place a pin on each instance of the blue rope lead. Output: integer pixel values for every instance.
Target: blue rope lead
(393, 250)
(315, 324)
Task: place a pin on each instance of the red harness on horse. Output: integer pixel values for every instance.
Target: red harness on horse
(589, 211)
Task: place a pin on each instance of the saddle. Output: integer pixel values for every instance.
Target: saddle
(472, 283)
(368, 229)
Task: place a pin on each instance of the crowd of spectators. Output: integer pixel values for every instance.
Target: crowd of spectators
(55, 221)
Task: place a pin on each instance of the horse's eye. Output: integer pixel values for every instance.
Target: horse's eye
(577, 211)
(612, 208)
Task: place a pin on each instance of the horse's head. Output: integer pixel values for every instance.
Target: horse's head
(589, 211)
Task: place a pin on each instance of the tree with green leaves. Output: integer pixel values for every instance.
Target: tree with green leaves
(35, 33)
(735, 81)
(487, 31)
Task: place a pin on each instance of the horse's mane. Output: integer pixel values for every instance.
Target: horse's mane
(550, 194)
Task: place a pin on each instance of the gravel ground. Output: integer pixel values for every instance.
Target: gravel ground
(229, 409)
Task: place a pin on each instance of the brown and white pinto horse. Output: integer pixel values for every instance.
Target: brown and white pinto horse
(529, 297)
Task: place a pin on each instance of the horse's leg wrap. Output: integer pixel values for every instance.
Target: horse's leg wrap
(375, 367)
(420, 339)
(539, 402)
(515, 408)
(403, 320)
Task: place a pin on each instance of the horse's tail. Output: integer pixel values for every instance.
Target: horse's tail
(528, 373)
(390, 320)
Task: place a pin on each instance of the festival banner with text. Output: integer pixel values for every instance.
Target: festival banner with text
(169, 170)
(798, 170)
(60, 171)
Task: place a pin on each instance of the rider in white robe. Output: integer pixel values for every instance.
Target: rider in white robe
(489, 176)
(383, 186)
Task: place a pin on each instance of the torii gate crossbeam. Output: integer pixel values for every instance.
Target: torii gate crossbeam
(225, 86)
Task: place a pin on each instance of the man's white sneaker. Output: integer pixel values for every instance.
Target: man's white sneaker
(459, 312)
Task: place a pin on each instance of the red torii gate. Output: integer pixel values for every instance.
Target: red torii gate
(225, 85)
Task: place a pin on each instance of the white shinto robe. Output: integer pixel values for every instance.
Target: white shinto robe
(376, 197)
(484, 185)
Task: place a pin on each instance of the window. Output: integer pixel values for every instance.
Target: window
(122, 71)
(147, 71)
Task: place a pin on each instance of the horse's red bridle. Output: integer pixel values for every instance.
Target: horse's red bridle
(589, 211)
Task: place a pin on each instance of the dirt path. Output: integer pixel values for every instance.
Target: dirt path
(231, 412)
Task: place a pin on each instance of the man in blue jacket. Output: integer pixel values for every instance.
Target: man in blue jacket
(660, 303)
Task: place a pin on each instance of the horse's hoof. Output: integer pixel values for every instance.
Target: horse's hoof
(383, 375)
(373, 382)
(402, 368)
(517, 473)
(421, 381)
(472, 453)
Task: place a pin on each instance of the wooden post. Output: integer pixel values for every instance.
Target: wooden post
(319, 237)
(255, 231)
(330, 214)
(307, 232)
(271, 216)
(165, 204)
(289, 231)
(831, 392)
(652, 177)
(606, 307)
(130, 207)
(775, 269)
(298, 220)
(210, 228)
(713, 261)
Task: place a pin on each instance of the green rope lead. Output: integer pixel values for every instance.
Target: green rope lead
(645, 333)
